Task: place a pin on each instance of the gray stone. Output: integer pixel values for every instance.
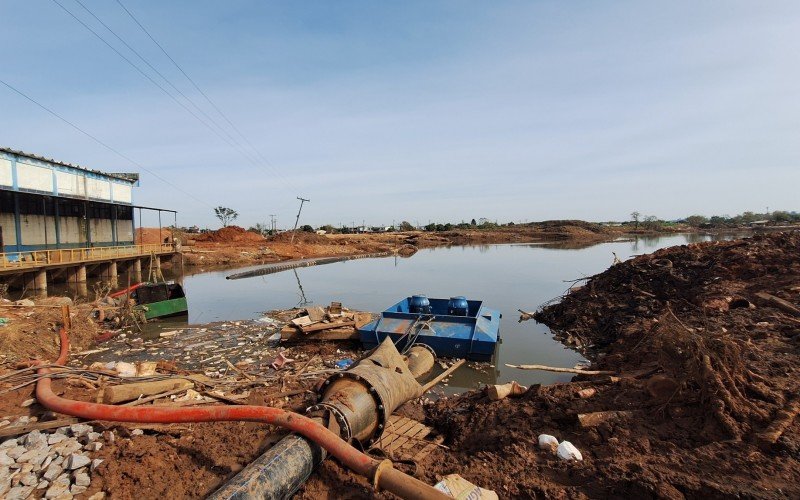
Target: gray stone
(93, 446)
(47, 461)
(76, 461)
(25, 303)
(100, 495)
(95, 464)
(52, 472)
(55, 438)
(76, 490)
(5, 459)
(67, 447)
(19, 493)
(8, 443)
(27, 402)
(82, 478)
(58, 460)
(34, 438)
(35, 456)
(137, 432)
(16, 452)
(93, 436)
(78, 430)
(44, 483)
(109, 436)
(62, 430)
(4, 423)
(58, 487)
(29, 479)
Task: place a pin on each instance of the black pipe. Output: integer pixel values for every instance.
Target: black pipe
(262, 479)
(356, 404)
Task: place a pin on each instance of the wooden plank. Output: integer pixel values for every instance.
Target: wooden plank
(302, 321)
(405, 437)
(340, 334)
(326, 326)
(428, 449)
(778, 302)
(41, 426)
(315, 314)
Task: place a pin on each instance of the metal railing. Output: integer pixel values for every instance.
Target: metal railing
(35, 258)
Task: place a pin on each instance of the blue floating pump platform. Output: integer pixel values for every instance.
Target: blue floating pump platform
(453, 328)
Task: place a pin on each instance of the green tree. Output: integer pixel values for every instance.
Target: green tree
(406, 226)
(473, 222)
(226, 215)
(696, 220)
(635, 218)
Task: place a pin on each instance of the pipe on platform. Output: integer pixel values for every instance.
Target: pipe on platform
(349, 404)
(374, 470)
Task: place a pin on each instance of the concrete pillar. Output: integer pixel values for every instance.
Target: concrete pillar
(80, 274)
(80, 289)
(137, 270)
(111, 274)
(40, 280)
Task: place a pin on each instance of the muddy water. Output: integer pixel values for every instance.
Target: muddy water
(506, 277)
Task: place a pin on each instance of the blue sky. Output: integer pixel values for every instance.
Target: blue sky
(423, 110)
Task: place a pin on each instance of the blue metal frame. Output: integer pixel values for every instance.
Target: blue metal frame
(474, 336)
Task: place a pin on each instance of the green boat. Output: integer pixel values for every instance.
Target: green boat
(160, 300)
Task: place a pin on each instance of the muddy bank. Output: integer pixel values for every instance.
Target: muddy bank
(233, 246)
(706, 397)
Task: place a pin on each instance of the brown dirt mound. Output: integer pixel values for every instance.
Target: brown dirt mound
(301, 237)
(708, 390)
(230, 234)
(152, 235)
(690, 313)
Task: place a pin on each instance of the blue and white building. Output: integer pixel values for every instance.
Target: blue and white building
(47, 204)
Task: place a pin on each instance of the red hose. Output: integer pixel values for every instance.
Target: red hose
(127, 290)
(300, 424)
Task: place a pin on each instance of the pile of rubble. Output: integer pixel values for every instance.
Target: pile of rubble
(58, 465)
(703, 342)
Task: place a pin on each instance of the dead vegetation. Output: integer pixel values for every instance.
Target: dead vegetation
(705, 404)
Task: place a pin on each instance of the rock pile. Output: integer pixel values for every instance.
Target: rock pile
(54, 466)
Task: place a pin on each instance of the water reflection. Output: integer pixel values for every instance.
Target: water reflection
(506, 277)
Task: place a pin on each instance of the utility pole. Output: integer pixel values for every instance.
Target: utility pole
(272, 223)
(302, 200)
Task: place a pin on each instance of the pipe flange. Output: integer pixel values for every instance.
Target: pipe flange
(344, 425)
(426, 346)
(379, 404)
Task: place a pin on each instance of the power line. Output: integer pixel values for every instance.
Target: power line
(156, 71)
(207, 98)
(98, 141)
(149, 78)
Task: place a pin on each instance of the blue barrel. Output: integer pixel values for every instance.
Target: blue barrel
(419, 304)
(457, 306)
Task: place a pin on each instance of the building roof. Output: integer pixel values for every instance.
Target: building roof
(127, 177)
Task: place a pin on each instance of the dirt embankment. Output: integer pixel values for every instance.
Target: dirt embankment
(27, 329)
(234, 246)
(707, 395)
